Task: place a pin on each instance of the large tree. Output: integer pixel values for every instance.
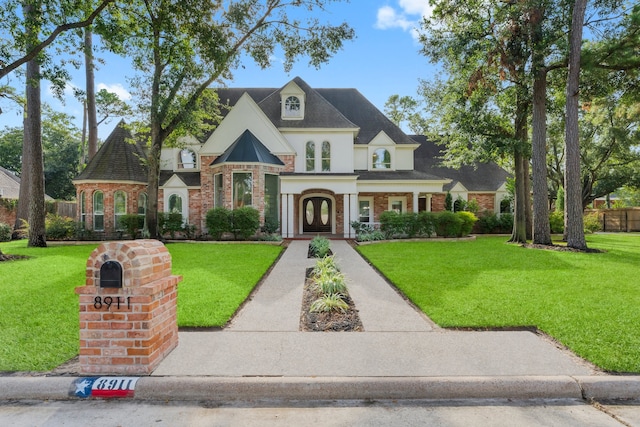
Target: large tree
(57, 18)
(181, 48)
(483, 46)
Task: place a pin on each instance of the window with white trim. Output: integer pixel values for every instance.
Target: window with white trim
(292, 107)
(397, 204)
(119, 208)
(381, 159)
(98, 211)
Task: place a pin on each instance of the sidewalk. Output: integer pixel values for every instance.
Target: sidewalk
(401, 354)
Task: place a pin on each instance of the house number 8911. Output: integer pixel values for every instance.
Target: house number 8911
(99, 303)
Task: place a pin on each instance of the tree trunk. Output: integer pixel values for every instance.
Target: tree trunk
(92, 121)
(519, 234)
(33, 141)
(541, 227)
(574, 227)
(22, 212)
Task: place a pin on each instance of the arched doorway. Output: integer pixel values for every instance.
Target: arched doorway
(317, 212)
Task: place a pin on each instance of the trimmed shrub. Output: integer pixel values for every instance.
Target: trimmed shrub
(170, 222)
(448, 224)
(426, 223)
(5, 232)
(556, 221)
(488, 222)
(391, 224)
(270, 226)
(245, 222)
(218, 222)
(505, 223)
(59, 227)
(468, 220)
(132, 223)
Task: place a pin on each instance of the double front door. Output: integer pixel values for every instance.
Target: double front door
(317, 215)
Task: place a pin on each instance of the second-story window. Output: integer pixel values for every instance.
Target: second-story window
(187, 159)
(292, 107)
(326, 156)
(310, 156)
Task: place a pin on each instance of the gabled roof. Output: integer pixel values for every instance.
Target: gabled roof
(319, 113)
(9, 184)
(479, 177)
(190, 179)
(118, 159)
(324, 108)
(248, 149)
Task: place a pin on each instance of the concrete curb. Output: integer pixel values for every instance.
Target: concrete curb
(341, 388)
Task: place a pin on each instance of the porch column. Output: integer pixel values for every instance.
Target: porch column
(354, 215)
(290, 218)
(284, 218)
(346, 206)
(415, 202)
(428, 208)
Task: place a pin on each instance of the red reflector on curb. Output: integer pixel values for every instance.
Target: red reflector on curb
(103, 387)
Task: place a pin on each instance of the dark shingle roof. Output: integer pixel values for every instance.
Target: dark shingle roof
(118, 159)
(478, 177)
(248, 148)
(324, 108)
(319, 113)
(364, 175)
(190, 179)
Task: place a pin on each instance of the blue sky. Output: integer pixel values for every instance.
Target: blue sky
(383, 60)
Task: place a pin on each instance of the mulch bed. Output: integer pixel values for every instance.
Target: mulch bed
(4, 257)
(560, 248)
(333, 321)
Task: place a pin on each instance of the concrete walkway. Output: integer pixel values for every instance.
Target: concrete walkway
(398, 340)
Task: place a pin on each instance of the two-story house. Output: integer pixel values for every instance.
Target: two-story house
(314, 160)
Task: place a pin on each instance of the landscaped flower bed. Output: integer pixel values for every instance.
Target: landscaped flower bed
(326, 304)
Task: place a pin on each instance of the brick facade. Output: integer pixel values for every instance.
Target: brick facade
(486, 201)
(128, 330)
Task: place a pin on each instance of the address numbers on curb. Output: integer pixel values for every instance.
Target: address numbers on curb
(103, 387)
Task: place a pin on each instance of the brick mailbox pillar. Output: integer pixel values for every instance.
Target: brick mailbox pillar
(127, 308)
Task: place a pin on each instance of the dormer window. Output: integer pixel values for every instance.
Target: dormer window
(187, 159)
(292, 107)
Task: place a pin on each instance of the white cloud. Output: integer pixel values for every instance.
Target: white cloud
(408, 16)
(389, 18)
(116, 88)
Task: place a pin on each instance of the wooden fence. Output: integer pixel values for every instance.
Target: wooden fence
(625, 219)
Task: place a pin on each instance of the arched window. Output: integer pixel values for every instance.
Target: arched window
(292, 107)
(187, 159)
(142, 204)
(83, 210)
(326, 156)
(381, 159)
(175, 204)
(119, 208)
(98, 211)
(310, 155)
(505, 206)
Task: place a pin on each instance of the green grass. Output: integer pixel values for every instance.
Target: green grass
(39, 309)
(589, 302)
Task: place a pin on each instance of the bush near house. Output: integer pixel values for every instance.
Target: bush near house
(132, 223)
(218, 222)
(468, 221)
(5, 232)
(448, 224)
(242, 222)
(556, 221)
(245, 222)
(59, 227)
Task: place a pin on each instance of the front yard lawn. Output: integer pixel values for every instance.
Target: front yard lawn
(588, 302)
(39, 309)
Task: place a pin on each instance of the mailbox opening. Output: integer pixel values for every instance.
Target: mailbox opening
(111, 275)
